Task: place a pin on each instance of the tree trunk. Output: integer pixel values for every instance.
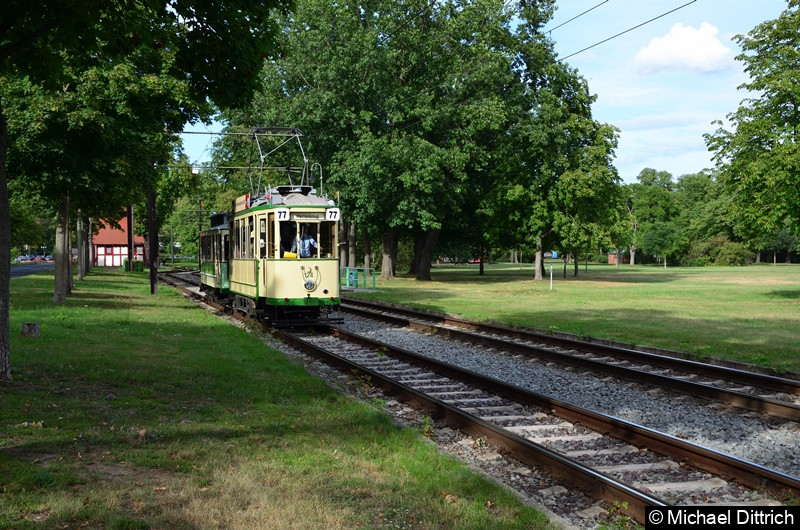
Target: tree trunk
(88, 249)
(389, 254)
(82, 240)
(758, 256)
(72, 258)
(351, 245)
(774, 257)
(539, 259)
(342, 245)
(576, 266)
(632, 249)
(63, 256)
(152, 239)
(365, 242)
(426, 255)
(5, 255)
(419, 244)
(130, 238)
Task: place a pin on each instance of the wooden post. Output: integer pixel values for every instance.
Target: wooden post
(30, 330)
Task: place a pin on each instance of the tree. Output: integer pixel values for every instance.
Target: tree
(759, 159)
(650, 201)
(662, 239)
(400, 101)
(88, 148)
(586, 200)
(217, 50)
(703, 207)
(25, 231)
(557, 180)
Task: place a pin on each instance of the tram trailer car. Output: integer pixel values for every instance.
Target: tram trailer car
(251, 257)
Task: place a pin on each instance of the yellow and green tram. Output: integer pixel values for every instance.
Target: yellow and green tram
(275, 256)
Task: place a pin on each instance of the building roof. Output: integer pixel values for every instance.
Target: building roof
(112, 236)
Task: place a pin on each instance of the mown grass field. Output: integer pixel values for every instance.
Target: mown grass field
(140, 411)
(744, 314)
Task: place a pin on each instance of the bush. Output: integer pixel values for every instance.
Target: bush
(734, 254)
(716, 251)
(138, 266)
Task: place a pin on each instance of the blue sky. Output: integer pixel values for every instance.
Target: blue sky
(662, 84)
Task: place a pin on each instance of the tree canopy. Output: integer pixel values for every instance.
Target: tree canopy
(99, 88)
(759, 157)
(434, 116)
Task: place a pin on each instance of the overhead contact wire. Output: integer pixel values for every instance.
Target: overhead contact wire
(626, 31)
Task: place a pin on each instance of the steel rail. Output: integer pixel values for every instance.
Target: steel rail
(765, 381)
(593, 482)
(748, 473)
(739, 399)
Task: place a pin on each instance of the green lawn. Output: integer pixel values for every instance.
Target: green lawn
(746, 314)
(141, 411)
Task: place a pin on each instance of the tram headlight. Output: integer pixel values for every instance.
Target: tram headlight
(310, 285)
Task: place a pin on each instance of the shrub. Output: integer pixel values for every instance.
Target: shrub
(734, 254)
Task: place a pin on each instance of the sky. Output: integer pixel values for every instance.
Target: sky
(661, 84)
(664, 83)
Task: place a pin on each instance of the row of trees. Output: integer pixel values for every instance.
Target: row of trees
(92, 96)
(750, 203)
(694, 221)
(453, 126)
(449, 124)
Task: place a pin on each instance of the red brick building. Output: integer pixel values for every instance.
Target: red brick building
(110, 246)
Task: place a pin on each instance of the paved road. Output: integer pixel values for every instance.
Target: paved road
(30, 268)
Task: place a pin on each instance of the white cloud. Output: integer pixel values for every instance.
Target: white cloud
(685, 48)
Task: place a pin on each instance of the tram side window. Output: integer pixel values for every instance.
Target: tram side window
(271, 236)
(251, 238)
(262, 237)
(241, 235)
(327, 239)
(205, 247)
(237, 239)
(288, 233)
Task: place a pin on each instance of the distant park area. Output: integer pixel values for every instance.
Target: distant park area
(745, 314)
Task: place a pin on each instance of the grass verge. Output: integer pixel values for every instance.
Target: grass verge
(143, 411)
(744, 314)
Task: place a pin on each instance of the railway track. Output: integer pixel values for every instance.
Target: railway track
(620, 463)
(739, 388)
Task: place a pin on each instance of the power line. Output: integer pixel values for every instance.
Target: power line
(577, 16)
(626, 31)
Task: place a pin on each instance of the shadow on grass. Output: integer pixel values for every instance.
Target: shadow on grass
(787, 295)
(498, 274)
(138, 421)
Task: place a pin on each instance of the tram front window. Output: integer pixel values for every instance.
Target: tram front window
(308, 239)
